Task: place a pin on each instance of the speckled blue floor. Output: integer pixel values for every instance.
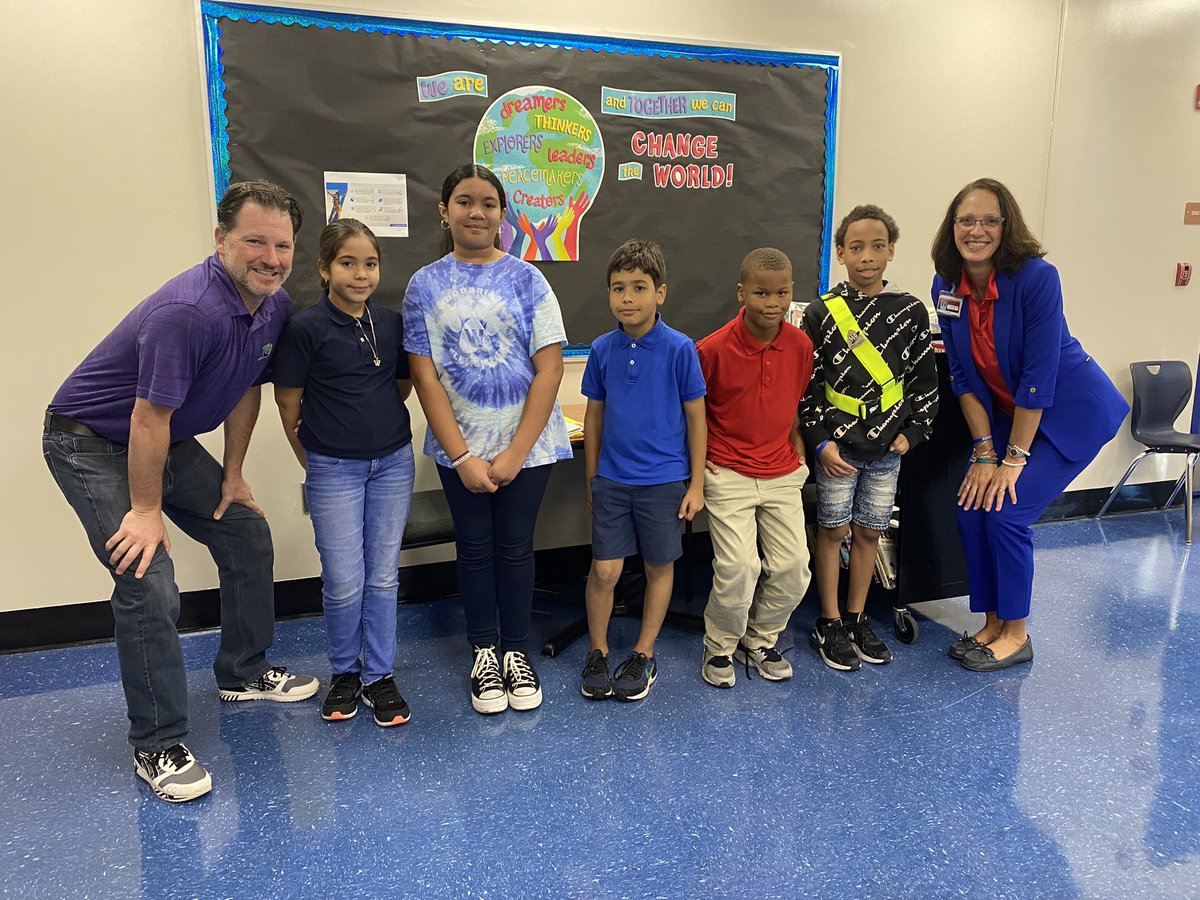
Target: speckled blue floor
(1078, 776)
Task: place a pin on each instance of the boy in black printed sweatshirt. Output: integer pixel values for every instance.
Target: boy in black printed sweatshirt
(872, 398)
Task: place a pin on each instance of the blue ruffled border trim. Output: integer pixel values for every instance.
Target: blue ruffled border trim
(211, 12)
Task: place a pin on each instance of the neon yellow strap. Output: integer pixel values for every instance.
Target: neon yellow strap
(892, 388)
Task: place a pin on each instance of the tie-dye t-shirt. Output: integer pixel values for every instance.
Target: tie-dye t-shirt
(481, 324)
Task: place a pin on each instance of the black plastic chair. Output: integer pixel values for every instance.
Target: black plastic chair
(429, 522)
(1161, 389)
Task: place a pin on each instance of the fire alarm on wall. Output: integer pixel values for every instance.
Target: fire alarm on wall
(1183, 274)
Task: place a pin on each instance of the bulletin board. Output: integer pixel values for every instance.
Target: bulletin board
(709, 151)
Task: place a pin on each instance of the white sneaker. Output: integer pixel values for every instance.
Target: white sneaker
(173, 774)
(274, 684)
(770, 664)
(718, 670)
(487, 686)
(521, 682)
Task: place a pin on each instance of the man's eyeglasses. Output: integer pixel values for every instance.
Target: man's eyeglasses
(969, 222)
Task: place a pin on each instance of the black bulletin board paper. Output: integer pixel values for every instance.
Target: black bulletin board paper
(298, 94)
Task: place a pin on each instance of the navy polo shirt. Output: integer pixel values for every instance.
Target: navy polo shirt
(643, 384)
(351, 407)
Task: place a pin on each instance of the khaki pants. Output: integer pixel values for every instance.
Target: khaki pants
(757, 528)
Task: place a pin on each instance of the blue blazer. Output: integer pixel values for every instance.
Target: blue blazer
(1043, 366)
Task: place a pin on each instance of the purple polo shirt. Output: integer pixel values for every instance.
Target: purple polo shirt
(190, 346)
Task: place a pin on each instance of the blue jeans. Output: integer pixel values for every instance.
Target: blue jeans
(93, 475)
(865, 497)
(494, 540)
(359, 508)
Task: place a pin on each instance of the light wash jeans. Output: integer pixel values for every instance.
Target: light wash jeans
(93, 475)
(359, 508)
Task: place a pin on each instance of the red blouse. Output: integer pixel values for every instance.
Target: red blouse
(983, 341)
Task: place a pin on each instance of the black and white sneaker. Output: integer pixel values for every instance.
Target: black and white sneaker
(487, 686)
(521, 682)
(384, 698)
(173, 774)
(342, 700)
(274, 684)
(866, 643)
(830, 639)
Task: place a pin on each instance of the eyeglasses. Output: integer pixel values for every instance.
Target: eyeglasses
(969, 222)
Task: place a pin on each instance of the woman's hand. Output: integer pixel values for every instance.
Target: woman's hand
(1004, 481)
(505, 467)
(975, 484)
(474, 475)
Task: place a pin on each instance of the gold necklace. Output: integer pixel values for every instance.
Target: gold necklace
(373, 341)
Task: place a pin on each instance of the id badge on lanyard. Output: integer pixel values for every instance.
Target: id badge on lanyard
(949, 305)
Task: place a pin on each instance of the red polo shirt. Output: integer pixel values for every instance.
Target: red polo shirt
(983, 341)
(754, 390)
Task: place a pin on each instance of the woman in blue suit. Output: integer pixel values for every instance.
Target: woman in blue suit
(1038, 407)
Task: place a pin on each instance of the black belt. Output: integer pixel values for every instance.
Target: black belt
(55, 422)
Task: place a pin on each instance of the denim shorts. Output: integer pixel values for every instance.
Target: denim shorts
(628, 516)
(865, 498)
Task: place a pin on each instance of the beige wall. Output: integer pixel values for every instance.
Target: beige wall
(1083, 108)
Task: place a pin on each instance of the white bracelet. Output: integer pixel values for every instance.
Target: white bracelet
(462, 459)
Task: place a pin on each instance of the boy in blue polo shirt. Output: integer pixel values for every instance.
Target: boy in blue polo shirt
(644, 439)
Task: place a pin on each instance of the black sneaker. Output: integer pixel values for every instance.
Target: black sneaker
(342, 700)
(487, 686)
(866, 643)
(383, 697)
(521, 682)
(595, 683)
(830, 639)
(633, 677)
(173, 774)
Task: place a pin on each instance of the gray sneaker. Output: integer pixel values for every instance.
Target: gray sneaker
(770, 664)
(173, 774)
(274, 684)
(717, 670)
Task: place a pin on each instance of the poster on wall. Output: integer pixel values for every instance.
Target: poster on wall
(709, 151)
(379, 200)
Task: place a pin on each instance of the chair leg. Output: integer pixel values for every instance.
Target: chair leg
(1120, 484)
(1178, 485)
(1187, 500)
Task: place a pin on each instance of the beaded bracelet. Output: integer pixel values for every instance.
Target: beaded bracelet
(1014, 465)
(454, 464)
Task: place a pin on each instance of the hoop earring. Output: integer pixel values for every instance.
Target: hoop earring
(445, 225)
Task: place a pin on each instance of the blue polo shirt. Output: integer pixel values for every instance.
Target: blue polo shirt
(351, 407)
(191, 346)
(643, 384)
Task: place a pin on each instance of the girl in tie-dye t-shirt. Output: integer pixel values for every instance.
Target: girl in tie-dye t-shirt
(484, 335)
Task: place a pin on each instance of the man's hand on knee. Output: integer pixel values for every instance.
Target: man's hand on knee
(235, 490)
(139, 536)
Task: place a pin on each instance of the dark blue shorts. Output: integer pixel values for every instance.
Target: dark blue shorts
(628, 516)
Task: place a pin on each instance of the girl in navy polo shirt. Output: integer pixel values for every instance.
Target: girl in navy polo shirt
(484, 335)
(341, 371)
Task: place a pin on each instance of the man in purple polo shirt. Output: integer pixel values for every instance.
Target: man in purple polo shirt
(120, 441)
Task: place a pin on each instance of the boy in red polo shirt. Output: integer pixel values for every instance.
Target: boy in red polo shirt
(757, 367)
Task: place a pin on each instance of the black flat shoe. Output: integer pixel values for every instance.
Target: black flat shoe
(982, 659)
(962, 646)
